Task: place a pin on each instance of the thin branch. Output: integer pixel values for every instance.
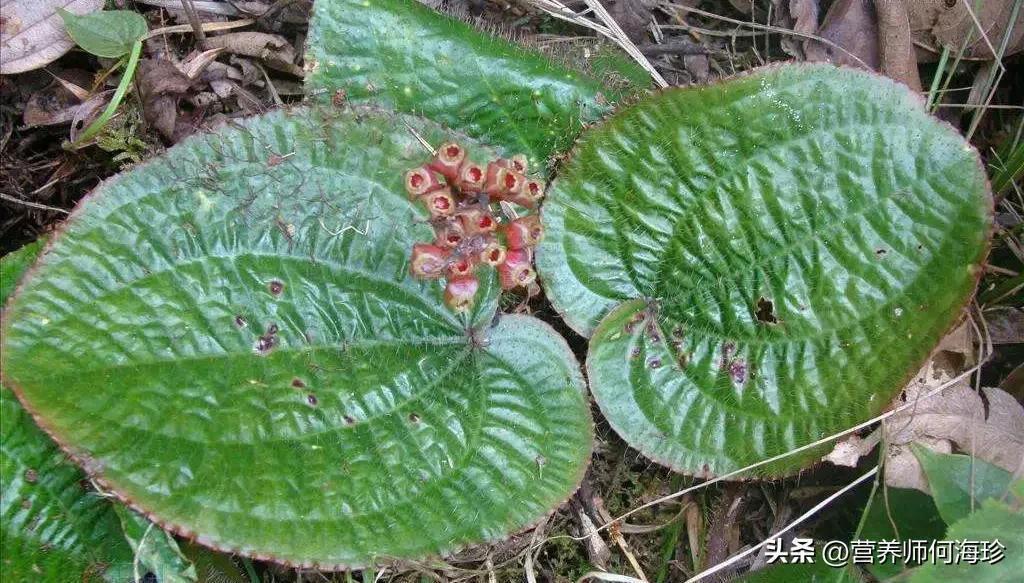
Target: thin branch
(34, 205)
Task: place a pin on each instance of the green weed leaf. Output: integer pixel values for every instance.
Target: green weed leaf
(109, 33)
(784, 249)
(228, 337)
(155, 549)
(999, 520)
(55, 528)
(402, 55)
(958, 483)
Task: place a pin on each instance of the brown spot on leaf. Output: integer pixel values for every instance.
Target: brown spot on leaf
(634, 353)
(738, 371)
(276, 287)
(350, 420)
(31, 476)
(240, 321)
(414, 418)
(267, 342)
(298, 383)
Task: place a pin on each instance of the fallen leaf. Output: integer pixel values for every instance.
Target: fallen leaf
(632, 16)
(272, 49)
(1005, 325)
(897, 57)
(32, 34)
(89, 111)
(959, 417)
(852, 25)
(799, 16)
(948, 23)
(849, 451)
(903, 469)
(161, 84)
(56, 103)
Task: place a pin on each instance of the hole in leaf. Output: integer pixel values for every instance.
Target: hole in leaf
(240, 321)
(880, 252)
(414, 418)
(311, 399)
(350, 420)
(276, 287)
(765, 311)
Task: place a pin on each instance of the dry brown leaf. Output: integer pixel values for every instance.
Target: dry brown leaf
(959, 417)
(896, 55)
(89, 111)
(632, 16)
(32, 33)
(947, 23)
(852, 25)
(1005, 325)
(849, 451)
(161, 83)
(272, 49)
(57, 102)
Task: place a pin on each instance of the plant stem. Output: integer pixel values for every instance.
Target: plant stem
(122, 88)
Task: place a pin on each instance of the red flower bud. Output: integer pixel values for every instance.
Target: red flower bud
(460, 291)
(523, 232)
(427, 261)
(471, 177)
(517, 269)
(502, 182)
(534, 189)
(493, 254)
(447, 161)
(451, 234)
(461, 266)
(476, 221)
(420, 181)
(439, 202)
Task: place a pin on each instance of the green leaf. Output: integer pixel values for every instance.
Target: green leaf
(959, 483)
(996, 520)
(214, 567)
(155, 550)
(227, 337)
(784, 248)
(404, 56)
(900, 514)
(15, 264)
(816, 572)
(55, 529)
(110, 33)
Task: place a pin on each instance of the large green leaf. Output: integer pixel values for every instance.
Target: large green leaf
(960, 483)
(784, 248)
(228, 338)
(55, 529)
(997, 522)
(403, 55)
